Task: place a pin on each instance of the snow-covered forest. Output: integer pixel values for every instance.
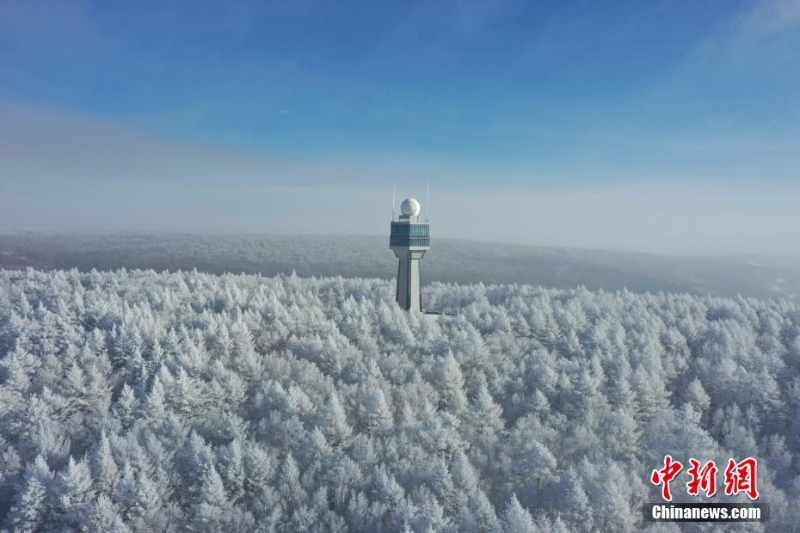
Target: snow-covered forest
(144, 401)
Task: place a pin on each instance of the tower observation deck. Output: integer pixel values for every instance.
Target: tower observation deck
(410, 239)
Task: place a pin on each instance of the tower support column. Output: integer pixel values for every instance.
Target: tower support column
(408, 281)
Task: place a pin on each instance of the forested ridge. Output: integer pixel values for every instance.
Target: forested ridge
(449, 261)
(144, 401)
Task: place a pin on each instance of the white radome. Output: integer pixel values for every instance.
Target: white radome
(410, 207)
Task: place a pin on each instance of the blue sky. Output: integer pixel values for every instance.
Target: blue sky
(666, 126)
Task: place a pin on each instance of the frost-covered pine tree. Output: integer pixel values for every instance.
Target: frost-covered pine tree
(126, 405)
(289, 481)
(259, 468)
(484, 512)
(517, 519)
(103, 515)
(231, 469)
(74, 492)
(450, 385)
(377, 417)
(212, 506)
(31, 504)
(104, 468)
(484, 425)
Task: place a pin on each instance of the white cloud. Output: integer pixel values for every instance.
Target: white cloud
(771, 17)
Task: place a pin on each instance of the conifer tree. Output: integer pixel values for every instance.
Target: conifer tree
(289, 481)
(103, 515)
(31, 504)
(231, 469)
(377, 417)
(450, 385)
(212, 505)
(104, 468)
(74, 492)
(516, 519)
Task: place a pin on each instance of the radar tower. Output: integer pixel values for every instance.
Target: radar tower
(410, 238)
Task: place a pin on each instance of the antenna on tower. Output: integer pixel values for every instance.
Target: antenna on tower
(428, 202)
(394, 187)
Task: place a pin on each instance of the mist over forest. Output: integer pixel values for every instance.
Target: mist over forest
(141, 401)
(448, 261)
